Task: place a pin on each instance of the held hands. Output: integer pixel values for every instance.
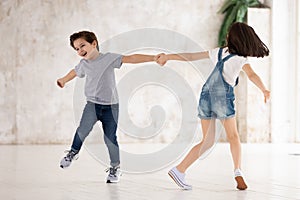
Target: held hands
(161, 59)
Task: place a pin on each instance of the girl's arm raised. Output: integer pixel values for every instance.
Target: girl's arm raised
(254, 78)
(163, 58)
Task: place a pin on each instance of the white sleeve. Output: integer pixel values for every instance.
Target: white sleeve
(213, 54)
(246, 61)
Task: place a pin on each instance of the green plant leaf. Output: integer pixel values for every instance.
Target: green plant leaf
(228, 4)
(241, 13)
(253, 3)
(229, 18)
(235, 11)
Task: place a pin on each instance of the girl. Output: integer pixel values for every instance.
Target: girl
(217, 97)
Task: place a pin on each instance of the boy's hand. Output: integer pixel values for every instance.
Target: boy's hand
(161, 59)
(60, 82)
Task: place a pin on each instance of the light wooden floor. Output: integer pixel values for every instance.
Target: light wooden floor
(32, 172)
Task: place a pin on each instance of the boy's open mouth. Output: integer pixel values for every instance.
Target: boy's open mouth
(84, 54)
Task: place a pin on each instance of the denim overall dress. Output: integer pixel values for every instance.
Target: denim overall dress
(217, 97)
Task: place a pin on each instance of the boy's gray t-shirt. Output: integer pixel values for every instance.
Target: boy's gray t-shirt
(100, 83)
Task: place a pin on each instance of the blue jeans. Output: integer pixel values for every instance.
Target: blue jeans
(108, 115)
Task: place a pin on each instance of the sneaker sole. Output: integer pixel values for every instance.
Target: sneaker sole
(63, 167)
(109, 181)
(241, 185)
(177, 181)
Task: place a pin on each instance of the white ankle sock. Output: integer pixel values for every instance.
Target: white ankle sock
(238, 172)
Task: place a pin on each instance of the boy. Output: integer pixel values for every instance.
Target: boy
(102, 98)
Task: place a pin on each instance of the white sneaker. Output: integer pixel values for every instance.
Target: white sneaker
(239, 178)
(113, 175)
(179, 178)
(67, 160)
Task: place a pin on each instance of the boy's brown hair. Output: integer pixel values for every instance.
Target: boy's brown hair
(88, 36)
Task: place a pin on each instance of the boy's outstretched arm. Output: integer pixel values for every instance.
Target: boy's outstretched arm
(163, 58)
(254, 78)
(138, 58)
(62, 81)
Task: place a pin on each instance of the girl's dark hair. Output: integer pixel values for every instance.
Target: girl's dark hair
(243, 41)
(88, 36)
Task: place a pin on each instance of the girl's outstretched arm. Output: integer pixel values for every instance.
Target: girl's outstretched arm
(163, 58)
(62, 81)
(253, 77)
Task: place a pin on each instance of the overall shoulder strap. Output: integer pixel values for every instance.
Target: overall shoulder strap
(227, 57)
(220, 54)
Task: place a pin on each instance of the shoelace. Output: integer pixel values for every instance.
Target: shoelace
(71, 155)
(112, 170)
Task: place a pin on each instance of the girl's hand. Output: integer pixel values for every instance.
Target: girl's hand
(267, 95)
(161, 59)
(60, 82)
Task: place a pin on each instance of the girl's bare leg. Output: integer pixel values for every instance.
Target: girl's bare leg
(234, 141)
(235, 148)
(208, 130)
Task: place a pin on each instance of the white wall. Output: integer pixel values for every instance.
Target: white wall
(35, 52)
(284, 72)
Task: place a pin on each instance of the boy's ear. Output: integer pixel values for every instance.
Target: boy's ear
(94, 43)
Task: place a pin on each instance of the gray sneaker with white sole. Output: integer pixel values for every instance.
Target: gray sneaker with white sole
(113, 175)
(67, 160)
